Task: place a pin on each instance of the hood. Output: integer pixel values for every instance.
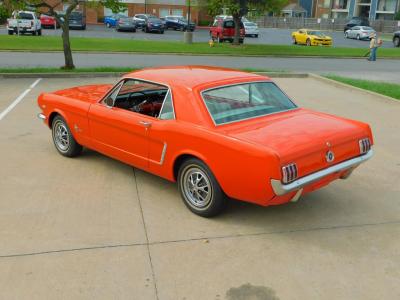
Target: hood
(304, 137)
(88, 93)
(321, 37)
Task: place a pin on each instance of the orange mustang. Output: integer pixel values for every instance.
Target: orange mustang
(219, 133)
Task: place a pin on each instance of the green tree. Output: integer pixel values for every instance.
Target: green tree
(240, 8)
(63, 20)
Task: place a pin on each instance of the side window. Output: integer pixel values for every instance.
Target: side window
(141, 97)
(167, 110)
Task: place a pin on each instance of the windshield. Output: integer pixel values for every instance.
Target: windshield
(154, 20)
(317, 33)
(245, 101)
(25, 16)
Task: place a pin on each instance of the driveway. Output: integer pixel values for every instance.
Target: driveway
(95, 228)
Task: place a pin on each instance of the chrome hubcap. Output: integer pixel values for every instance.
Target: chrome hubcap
(197, 187)
(61, 136)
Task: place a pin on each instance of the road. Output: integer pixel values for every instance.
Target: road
(94, 228)
(384, 69)
(271, 36)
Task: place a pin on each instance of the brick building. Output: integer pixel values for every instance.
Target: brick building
(159, 8)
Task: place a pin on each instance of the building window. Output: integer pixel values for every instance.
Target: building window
(177, 12)
(327, 3)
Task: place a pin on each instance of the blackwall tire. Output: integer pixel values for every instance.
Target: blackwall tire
(199, 189)
(63, 140)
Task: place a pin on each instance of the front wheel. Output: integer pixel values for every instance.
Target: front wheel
(308, 42)
(39, 32)
(108, 25)
(358, 37)
(396, 41)
(346, 35)
(294, 41)
(199, 189)
(63, 140)
(219, 40)
(10, 32)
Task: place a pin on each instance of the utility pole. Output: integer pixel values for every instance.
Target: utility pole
(145, 7)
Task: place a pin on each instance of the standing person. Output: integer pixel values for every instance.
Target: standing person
(373, 47)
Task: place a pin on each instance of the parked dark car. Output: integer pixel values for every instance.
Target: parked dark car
(77, 20)
(125, 24)
(356, 21)
(154, 24)
(141, 19)
(396, 39)
(224, 30)
(178, 23)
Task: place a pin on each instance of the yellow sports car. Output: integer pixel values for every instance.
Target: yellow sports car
(311, 37)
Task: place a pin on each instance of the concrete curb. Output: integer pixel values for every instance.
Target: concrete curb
(350, 87)
(119, 74)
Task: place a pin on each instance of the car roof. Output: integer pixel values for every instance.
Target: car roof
(192, 76)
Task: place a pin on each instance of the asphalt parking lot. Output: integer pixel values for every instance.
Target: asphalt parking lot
(273, 36)
(94, 228)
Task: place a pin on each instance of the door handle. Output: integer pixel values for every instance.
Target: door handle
(145, 124)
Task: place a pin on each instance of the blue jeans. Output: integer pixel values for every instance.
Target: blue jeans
(372, 56)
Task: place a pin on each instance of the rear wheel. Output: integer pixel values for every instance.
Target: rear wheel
(396, 41)
(358, 36)
(294, 40)
(108, 25)
(11, 32)
(39, 32)
(34, 32)
(199, 189)
(346, 35)
(63, 140)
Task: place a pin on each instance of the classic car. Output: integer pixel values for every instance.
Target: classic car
(311, 38)
(219, 133)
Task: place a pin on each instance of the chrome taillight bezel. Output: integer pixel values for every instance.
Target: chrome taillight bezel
(289, 173)
(365, 145)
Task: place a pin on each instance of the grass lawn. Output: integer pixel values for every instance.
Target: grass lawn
(52, 43)
(387, 89)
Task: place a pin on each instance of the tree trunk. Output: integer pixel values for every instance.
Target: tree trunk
(236, 38)
(69, 63)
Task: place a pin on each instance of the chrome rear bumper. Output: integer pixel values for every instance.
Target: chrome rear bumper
(282, 189)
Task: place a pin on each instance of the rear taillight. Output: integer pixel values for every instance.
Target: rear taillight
(365, 145)
(289, 173)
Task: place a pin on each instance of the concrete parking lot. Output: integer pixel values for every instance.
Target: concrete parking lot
(94, 228)
(272, 36)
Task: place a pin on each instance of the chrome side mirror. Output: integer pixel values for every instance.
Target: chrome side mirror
(109, 101)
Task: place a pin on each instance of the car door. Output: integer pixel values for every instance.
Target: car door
(354, 31)
(302, 37)
(118, 131)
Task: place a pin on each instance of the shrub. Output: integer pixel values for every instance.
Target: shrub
(4, 14)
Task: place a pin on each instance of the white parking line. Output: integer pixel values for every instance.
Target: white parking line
(18, 100)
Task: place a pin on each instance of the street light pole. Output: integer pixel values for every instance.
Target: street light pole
(145, 7)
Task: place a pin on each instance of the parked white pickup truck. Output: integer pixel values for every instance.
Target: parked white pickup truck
(24, 22)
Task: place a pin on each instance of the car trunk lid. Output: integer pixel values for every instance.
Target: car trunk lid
(304, 137)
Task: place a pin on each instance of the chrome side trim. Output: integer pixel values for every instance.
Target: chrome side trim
(41, 117)
(281, 189)
(164, 151)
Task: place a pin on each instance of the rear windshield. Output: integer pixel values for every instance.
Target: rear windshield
(245, 101)
(231, 24)
(25, 16)
(75, 16)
